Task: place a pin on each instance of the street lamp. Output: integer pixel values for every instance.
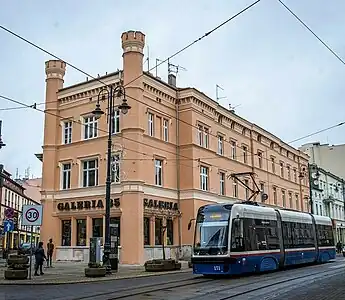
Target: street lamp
(118, 91)
(314, 175)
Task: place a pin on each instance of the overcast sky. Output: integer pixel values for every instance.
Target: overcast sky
(283, 78)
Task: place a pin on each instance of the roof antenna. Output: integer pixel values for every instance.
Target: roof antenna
(217, 94)
(174, 68)
(232, 108)
(156, 67)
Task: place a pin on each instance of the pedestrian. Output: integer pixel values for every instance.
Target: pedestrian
(50, 250)
(39, 259)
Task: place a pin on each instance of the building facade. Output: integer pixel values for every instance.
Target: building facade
(12, 195)
(172, 153)
(328, 197)
(328, 157)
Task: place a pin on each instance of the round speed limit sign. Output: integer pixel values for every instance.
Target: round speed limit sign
(32, 215)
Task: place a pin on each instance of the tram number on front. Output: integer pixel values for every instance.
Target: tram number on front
(216, 268)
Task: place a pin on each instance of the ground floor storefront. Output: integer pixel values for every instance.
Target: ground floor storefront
(140, 221)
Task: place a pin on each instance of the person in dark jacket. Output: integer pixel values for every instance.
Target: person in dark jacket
(39, 259)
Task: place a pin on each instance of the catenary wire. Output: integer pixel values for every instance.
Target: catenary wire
(176, 53)
(312, 32)
(199, 160)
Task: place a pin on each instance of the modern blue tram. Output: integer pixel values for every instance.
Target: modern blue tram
(245, 238)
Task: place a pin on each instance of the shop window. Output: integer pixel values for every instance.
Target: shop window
(158, 231)
(66, 233)
(170, 232)
(81, 232)
(146, 231)
(97, 227)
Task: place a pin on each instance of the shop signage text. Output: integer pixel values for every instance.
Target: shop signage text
(87, 204)
(149, 203)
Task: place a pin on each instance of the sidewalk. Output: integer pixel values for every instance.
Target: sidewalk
(73, 272)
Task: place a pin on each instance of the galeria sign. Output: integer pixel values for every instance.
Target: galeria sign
(149, 203)
(87, 204)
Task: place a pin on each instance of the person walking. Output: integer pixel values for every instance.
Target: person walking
(50, 251)
(39, 259)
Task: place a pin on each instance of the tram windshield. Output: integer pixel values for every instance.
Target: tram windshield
(211, 233)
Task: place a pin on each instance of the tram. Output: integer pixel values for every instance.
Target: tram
(245, 238)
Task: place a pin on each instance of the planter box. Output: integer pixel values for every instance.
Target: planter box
(95, 272)
(159, 265)
(11, 274)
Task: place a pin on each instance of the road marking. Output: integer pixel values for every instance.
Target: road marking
(337, 266)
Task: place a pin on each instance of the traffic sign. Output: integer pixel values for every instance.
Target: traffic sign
(8, 226)
(32, 215)
(9, 213)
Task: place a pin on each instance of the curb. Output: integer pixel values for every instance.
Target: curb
(88, 280)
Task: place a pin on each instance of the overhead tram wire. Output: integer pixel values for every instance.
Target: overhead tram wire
(164, 61)
(311, 31)
(200, 159)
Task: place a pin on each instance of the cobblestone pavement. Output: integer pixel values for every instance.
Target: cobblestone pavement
(73, 272)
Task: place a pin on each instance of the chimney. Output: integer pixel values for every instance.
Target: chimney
(172, 80)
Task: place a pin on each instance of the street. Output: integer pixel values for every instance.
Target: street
(313, 282)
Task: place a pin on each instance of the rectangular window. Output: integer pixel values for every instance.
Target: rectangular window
(147, 229)
(233, 150)
(290, 200)
(244, 151)
(158, 231)
(283, 199)
(170, 232)
(203, 133)
(222, 183)
(66, 233)
(67, 132)
(151, 125)
(165, 130)
(246, 191)
(273, 165)
(66, 176)
(158, 172)
(115, 168)
(281, 169)
(235, 189)
(115, 126)
(297, 202)
(288, 172)
(260, 159)
(204, 178)
(90, 172)
(262, 187)
(81, 232)
(97, 227)
(295, 175)
(220, 145)
(90, 127)
(275, 195)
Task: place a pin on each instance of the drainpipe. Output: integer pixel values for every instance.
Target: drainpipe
(178, 179)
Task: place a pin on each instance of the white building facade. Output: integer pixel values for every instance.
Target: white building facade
(328, 196)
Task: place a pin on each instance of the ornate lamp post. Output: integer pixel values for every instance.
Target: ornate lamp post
(109, 93)
(314, 175)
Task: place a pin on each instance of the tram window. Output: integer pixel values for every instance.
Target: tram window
(325, 235)
(298, 235)
(237, 241)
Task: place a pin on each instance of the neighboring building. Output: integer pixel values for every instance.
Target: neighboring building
(328, 157)
(176, 148)
(328, 197)
(12, 195)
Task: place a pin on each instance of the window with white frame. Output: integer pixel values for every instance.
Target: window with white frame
(260, 159)
(115, 168)
(66, 176)
(67, 132)
(90, 172)
(203, 135)
(204, 178)
(159, 172)
(273, 164)
(290, 200)
(90, 127)
(165, 130)
(281, 169)
(220, 145)
(246, 195)
(245, 155)
(275, 195)
(235, 189)
(283, 198)
(151, 124)
(115, 126)
(233, 150)
(297, 202)
(221, 183)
